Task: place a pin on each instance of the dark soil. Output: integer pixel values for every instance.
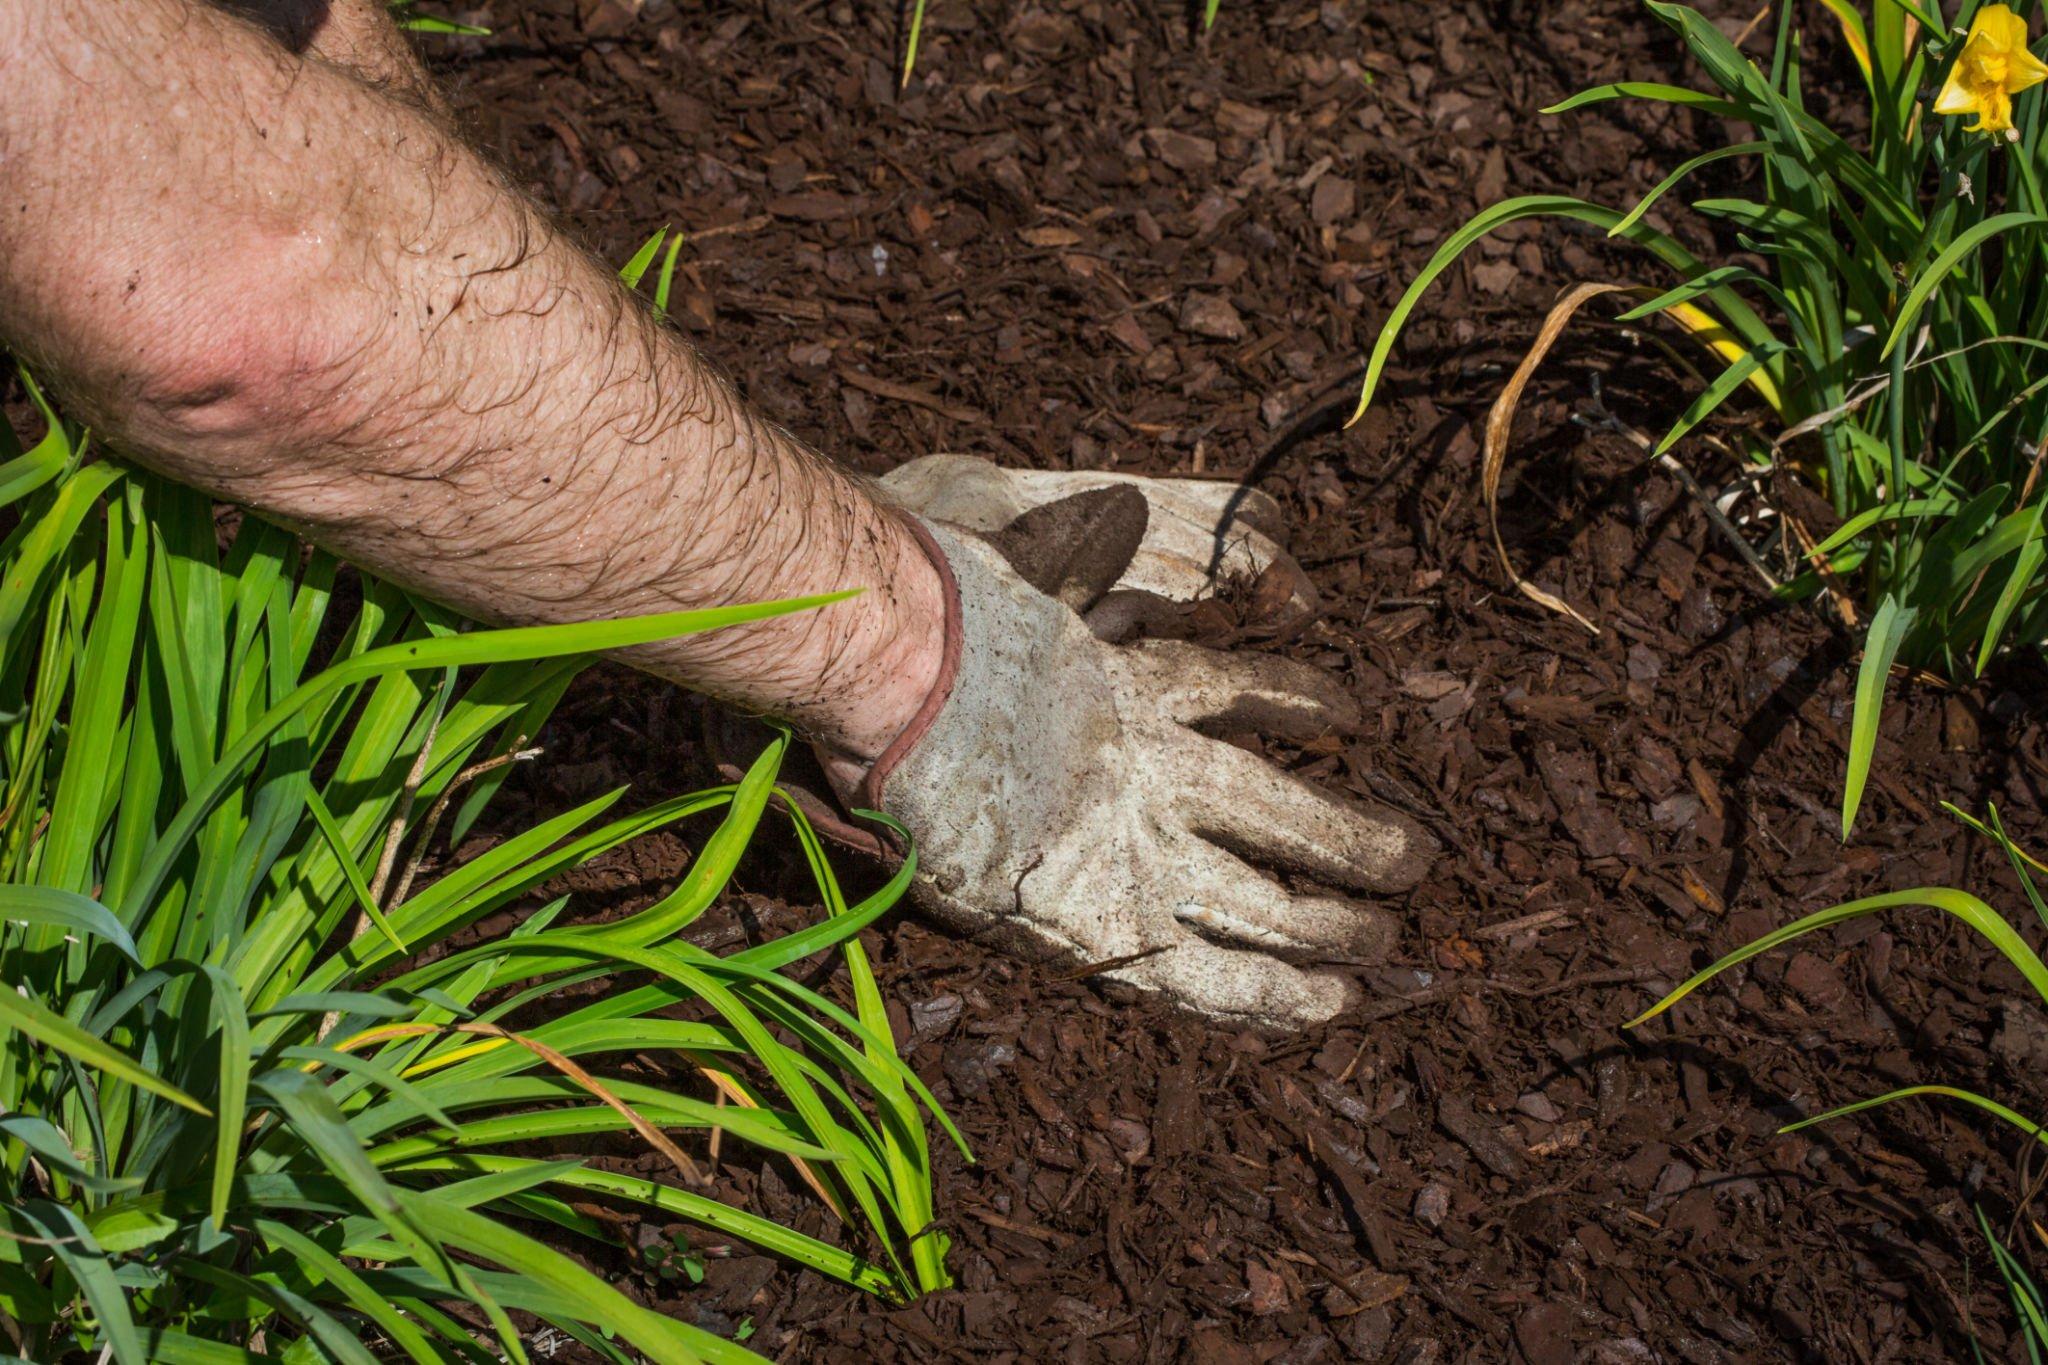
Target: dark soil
(1086, 238)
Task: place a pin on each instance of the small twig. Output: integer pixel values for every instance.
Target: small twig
(1618, 976)
(1750, 27)
(1074, 1190)
(1344, 1078)
(1443, 989)
(435, 811)
(730, 1089)
(1390, 1287)
(23, 1239)
(1845, 606)
(754, 224)
(1600, 417)
(1510, 927)
(395, 835)
(392, 838)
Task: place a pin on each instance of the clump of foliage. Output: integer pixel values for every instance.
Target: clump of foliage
(2001, 934)
(1893, 325)
(264, 1093)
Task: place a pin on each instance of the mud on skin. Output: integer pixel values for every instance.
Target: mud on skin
(1102, 244)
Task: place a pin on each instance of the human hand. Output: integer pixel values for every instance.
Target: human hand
(1064, 805)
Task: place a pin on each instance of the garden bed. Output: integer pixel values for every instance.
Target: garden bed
(1084, 238)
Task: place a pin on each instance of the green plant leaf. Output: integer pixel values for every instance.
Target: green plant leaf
(233, 1104)
(1936, 274)
(1989, 1106)
(345, 856)
(911, 43)
(18, 1011)
(1888, 630)
(1963, 906)
(72, 1243)
(66, 910)
(1716, 393)
(1737, 314)
(635, 269)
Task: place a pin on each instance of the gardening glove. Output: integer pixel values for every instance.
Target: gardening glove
(1199, 533)
(1064, 806)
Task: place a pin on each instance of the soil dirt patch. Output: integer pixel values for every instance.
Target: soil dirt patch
(1085, 237)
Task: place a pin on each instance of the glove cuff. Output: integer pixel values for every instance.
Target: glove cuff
(869, 793)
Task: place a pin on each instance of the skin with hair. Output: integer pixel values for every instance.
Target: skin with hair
(274, 272)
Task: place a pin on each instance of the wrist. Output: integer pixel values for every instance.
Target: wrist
(890, 698)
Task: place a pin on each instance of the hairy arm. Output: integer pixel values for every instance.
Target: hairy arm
(357, 35)
(283, 284)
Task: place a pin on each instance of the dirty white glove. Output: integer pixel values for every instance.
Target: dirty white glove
(1064, 806)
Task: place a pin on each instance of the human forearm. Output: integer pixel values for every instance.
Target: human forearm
(306, 296)
(356, 35)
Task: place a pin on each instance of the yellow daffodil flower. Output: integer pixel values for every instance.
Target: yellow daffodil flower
(1994, 66)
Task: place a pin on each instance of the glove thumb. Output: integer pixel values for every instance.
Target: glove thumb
(1076, 548)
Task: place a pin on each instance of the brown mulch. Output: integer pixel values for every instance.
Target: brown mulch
(1087, 238)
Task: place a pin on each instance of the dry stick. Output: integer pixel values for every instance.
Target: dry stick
(395, 835)
(754, 224)
(1845, 606)
(433, 821)
(1510, 927)
(1727, 528)
(434, 812)
(1107, 964)
(1500, 424)
(1750, 27)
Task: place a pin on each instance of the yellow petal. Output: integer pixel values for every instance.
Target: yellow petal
(1955, 96)
(2027, 72)
(2003, 30)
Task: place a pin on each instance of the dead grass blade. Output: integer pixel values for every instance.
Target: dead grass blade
(597, 1089)
(729, 1089)
(1500, 425)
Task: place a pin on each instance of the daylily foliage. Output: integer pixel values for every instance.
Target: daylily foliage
(1891, 311)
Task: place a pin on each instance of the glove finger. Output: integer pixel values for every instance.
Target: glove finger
(1076, 549)
(1222, 897)
(1262, 814)
(1184, 562)
(1208, 503)
(1203, 534)
(1242, 987)
(1264, 692)
(930, 483)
